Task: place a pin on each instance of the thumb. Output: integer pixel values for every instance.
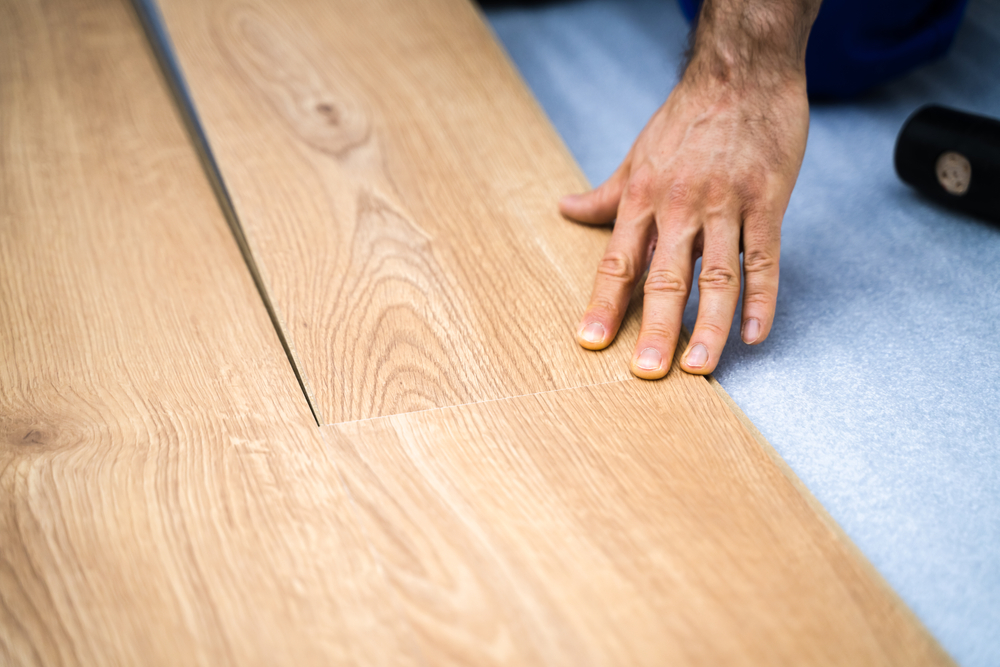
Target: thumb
(600, 205)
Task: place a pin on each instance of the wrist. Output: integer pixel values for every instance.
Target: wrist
(741, 43)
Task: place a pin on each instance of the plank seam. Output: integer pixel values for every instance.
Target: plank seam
(483, 401)
(159, 42)
(682, 342)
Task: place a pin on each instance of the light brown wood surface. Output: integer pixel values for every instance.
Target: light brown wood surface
(628, 523)
(165, 495)
(398, 185)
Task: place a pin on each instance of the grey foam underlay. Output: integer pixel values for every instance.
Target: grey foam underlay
(879, 383)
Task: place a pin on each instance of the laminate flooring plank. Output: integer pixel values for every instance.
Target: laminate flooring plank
(628, 523)
(397, 184)
(165, 495)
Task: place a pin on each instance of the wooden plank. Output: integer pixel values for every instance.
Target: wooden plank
(397, 184)
(396, 181)
(166, 495)
(628, 523)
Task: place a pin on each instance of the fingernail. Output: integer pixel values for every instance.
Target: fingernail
(569, 199)
(751, 331)
(649, 359)
(697, 356)
(593, 332)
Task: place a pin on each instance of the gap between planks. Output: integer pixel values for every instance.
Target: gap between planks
(162, 49)
(160, 44)
(163, 52)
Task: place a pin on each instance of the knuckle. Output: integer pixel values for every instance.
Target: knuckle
(752, 188)
(760, 297)
(759, 261)
(665, 281)
(718, 279)
(618, 266)
(717, 192)
(713, 330)
(679, 194)
(660, 331)
(639, 184)
(603, 306)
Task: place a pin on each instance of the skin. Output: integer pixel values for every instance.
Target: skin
(710, 176)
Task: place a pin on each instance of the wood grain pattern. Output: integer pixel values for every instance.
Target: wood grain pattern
(629, 523)
(165, 496)
(399, 196)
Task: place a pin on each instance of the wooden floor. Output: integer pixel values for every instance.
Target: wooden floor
(399, 196)
(479, 490)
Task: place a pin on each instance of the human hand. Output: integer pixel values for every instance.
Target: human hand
(710, 176)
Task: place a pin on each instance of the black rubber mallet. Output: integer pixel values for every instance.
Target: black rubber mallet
(953, 157)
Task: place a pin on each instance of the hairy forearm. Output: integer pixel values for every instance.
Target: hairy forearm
(749, 42)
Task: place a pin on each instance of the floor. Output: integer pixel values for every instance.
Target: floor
(288, 372)
(879, 382)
